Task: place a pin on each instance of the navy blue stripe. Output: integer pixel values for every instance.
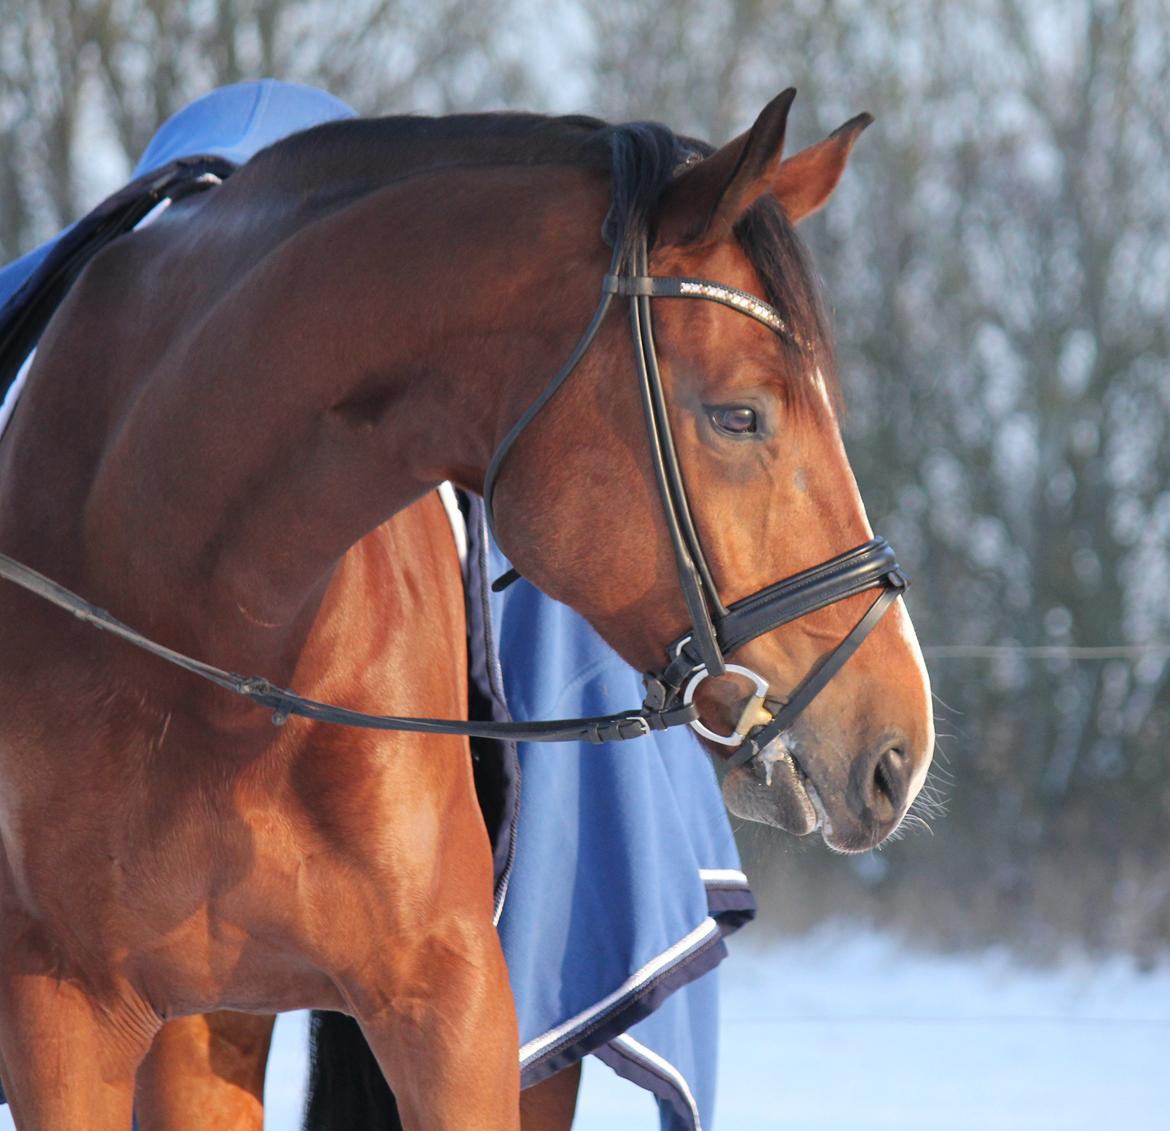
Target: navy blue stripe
(625, 1013)
(731, 906)
(627, 1064)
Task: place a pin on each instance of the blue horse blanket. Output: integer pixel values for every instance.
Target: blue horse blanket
(617, 873)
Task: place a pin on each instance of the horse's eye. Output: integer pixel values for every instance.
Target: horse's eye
(738, 421)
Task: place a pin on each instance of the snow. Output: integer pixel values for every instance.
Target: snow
(845, 1028)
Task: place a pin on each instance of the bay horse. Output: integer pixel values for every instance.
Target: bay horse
(223, 414)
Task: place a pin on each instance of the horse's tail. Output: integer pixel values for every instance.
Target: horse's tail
(346, 1088)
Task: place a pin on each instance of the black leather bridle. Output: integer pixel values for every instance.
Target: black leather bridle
(717, 630)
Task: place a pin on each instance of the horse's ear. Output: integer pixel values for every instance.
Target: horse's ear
(707, 199)
(806, 181)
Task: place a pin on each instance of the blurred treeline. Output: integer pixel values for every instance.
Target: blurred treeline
(998, 261)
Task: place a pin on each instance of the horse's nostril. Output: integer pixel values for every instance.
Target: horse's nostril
(890, 778)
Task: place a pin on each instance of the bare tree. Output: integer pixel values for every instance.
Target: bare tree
(85, 83)
(997, 257)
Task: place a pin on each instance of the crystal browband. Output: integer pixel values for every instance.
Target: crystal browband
(679, 287)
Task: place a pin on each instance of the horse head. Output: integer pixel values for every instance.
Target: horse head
(753, 429)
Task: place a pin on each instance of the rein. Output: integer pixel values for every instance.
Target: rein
(284, 703)
(698, 655)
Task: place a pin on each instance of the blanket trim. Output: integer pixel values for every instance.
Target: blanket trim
(646, 1069)
(692, 956)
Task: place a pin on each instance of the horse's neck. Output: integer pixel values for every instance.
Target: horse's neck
(379, 350)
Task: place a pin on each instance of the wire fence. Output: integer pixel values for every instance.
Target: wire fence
(1045, 651)
(958, 1019)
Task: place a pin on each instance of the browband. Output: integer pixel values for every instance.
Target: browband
(679, 286)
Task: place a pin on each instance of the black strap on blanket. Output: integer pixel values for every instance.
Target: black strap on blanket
(26, 314)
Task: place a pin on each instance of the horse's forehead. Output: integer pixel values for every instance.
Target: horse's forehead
(723, 261)
(709, 326)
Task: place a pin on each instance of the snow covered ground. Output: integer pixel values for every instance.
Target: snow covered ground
(844, 1029)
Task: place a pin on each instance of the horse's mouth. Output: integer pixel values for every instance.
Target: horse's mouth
(773, 789)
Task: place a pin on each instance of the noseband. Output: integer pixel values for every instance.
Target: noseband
(716, 629)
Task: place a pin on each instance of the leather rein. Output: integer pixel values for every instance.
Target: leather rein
(697, 655)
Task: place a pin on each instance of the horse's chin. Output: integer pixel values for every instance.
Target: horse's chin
(772, 790)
